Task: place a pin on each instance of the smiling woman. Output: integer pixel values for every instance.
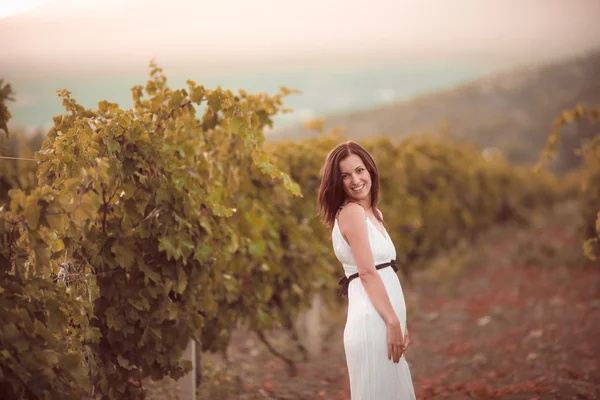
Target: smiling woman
(375, 335)
(13, 8)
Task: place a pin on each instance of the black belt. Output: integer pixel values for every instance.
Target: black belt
(345, 282)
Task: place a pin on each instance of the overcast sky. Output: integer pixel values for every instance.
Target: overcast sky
(110, 35)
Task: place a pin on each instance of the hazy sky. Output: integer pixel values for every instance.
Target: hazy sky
(109, 35)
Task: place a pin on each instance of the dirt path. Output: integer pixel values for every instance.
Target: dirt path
(519, 320)
(518, 325)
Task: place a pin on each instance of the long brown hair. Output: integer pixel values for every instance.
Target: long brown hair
(331, 191)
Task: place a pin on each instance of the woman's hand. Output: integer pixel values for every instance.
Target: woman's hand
(395, 341)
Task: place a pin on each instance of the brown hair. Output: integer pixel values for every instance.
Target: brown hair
(331, 191)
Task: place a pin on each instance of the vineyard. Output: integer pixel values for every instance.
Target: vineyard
(136, 230)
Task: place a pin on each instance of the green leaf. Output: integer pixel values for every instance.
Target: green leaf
(149, 273)
(182, 281)
(31, 212)
(70, 361)
(165, 244)
(197, 94)
(57, 245)
(50, 357)
(124, 363)
(113, 146)
(257, 248)
(296, 289)
(203, 253)
(56, 221)
(125, 255)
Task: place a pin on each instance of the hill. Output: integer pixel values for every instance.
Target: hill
(512, 110)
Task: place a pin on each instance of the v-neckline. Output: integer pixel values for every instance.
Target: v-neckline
(383, 235)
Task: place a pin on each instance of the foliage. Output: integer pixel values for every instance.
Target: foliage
(13, 173)
(434, 192)
(589, 195)
(151, 239)
(36, 361)
(6, 94)
(163, 246)
(18, 170)
(159, 224)
(219, 382)
(41, 355)
(276, 266)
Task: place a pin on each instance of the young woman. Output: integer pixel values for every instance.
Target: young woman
(375, 336)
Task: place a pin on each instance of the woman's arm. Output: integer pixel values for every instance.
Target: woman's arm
(353, 225)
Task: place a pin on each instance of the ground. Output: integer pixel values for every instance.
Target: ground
(513, 315)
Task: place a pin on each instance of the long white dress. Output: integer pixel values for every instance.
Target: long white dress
(372, 375)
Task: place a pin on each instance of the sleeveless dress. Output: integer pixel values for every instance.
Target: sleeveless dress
(372, 375)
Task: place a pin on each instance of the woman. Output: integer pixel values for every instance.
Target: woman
(375, 336)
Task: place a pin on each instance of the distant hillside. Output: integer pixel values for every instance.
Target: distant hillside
(512, 110)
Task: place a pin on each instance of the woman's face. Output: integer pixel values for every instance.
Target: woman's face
(356, 178)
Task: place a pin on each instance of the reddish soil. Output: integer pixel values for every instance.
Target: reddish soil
(520, 321)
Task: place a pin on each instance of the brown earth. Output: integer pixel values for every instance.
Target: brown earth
(514, 315)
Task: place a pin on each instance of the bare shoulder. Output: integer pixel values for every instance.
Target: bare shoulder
(351, 217)
(380, 213)
(352, 211)
(353, 227)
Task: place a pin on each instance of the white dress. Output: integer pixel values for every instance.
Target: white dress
(372, 375)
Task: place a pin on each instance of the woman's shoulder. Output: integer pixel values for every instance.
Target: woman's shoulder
(351, 212)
